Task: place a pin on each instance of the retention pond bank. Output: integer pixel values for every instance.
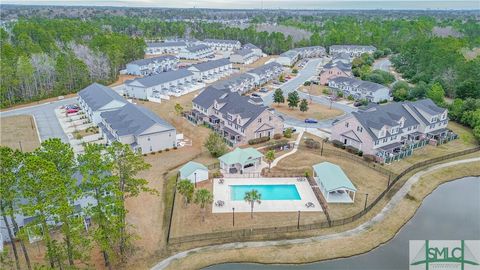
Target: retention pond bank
(451, 212)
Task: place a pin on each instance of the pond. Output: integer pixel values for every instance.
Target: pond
(451, 212)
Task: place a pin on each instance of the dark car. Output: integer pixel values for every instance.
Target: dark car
(255, 95)
(311, 121)
(264, 90)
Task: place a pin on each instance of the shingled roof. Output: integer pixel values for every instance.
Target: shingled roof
(162, 77)
(133, 120)
(208, 65)
(142, 62)
(97, 96)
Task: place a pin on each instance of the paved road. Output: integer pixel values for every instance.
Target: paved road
(310, 69)
(387, 210)
(382, 64)
(44, 114)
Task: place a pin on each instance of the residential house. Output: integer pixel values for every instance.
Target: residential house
(153, 65)
(244, 56)
(352, 50)
(138, 127)
(160, 85)
(289, 58)
(234, 116)
(211, 70)
(23, 220)
(240, 83)
(196, 52)
(333, 70)
(359, 89)
(222, 44)
(266, 73)
(254, 48)
(96, 98)
(342, 57)
(393, 130)
(165, 47)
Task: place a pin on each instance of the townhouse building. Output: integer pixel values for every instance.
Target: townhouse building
(22, 220)
(359, 89)
(266, 73)
(290, 57)
(153, 65)
(222, 44)
(196, 52)
(240, 83)
(211, 70)
(394, 130)
(244, 56)
(352, 50)
(333, 70)
(234, 116)
(254, 48)
(165, 47)
(96, 98)
(160, 85)
(138, 127)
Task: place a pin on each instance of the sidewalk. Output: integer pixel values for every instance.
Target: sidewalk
(395, 200)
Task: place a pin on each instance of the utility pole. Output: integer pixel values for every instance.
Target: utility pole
(233, 216)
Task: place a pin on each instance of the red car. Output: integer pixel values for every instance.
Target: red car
(72, 110)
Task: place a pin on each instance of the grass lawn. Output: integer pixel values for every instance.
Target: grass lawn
(147, 211)
(466, 141)
(16, 130)
(314, 89)
(365, 179)
(334, 248)
(316, 111)
(192, 215)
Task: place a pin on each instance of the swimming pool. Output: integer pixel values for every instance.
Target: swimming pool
(269, 192)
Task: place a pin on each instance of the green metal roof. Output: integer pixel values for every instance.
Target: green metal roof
(332, 176)
(190, 168)
(241, 156)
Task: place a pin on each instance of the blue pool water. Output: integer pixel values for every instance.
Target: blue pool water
(269, 192)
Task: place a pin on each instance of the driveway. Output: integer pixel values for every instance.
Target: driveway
(45, 118)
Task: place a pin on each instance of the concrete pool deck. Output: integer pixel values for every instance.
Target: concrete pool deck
(222, 192)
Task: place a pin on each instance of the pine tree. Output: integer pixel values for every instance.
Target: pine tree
(293, 99)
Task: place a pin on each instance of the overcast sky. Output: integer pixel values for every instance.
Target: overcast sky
(285, 4)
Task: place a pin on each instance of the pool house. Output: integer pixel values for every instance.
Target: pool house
(194, 172)
(241, 161)
(334, 184)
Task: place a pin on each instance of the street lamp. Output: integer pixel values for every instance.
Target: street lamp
(195, 174)
(233, 216)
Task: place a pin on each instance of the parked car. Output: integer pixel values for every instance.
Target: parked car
(357, 104)
(72, 110)
(311, 121)
(264, 90)
(255, 95)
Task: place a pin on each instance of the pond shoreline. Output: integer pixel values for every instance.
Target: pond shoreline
(405, 210)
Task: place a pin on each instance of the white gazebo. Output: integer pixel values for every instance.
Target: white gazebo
(334, 183)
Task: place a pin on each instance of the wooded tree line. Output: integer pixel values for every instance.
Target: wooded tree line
(45, 185)
(49, 57)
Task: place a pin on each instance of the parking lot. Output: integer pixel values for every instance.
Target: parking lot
(78, 128)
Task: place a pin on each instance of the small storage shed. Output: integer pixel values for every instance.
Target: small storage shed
(194, 171)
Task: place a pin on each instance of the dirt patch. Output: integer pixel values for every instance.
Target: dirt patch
(470, 54)
(334, 248)
(19, 132)
(315, 110)
(122, 78)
